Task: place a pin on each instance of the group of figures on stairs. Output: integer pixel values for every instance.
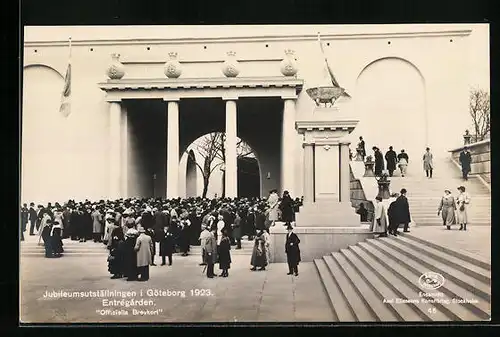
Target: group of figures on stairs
(401, 160)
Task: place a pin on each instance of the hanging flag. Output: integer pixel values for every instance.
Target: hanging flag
(65, 108)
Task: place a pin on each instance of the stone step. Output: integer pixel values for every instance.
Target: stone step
(371, 289)
(420, 311)
(404, 275)
(358, 307)
(465, 256)
(340, 306)
(460, 278)
(468, 268)
(449, 288)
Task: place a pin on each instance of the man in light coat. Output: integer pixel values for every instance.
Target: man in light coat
(205, 234)
(144, 250)
(210, 248)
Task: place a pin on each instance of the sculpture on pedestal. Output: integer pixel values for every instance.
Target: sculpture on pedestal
(383, 186)
(369, 164)
(467, 137)
(327, 95)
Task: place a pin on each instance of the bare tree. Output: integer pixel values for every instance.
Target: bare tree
(479, 109)
(212, 147)
(242, 150)
(207, 147)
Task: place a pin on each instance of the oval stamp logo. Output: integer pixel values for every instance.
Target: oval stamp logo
(431, 280)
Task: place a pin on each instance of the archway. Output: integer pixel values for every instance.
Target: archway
(390, 103)
(205, 173)
(46, 173)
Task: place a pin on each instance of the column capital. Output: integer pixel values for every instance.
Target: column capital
(288, 98)
(304, 144)
(230, 98)
(114, 100)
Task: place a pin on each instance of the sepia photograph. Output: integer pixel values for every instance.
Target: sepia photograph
(255, 174)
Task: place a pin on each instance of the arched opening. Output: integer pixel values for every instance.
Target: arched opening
(205, 169)
(390, 104)
(191, 182)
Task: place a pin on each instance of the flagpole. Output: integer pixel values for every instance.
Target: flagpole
(70, 49)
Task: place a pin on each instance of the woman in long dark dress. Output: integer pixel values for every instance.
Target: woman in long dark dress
(116, 253)
(56, 238)
(259, 255)
(224, 254)
(286, 208)
(129, 254)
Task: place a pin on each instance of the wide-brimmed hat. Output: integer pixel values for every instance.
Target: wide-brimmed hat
(447, 191)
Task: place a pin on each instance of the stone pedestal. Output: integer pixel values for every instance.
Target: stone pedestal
(383, 189)
(326, 222)
(315, 242)
(369, 169)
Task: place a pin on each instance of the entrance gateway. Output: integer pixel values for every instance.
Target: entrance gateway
(231, 94)
(325, 222)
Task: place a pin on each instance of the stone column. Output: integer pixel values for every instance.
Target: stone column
(172, 149)
(114, 150)
(231, 173)
(308, 173)
(124, 152)
(288, 148)
(345, 176)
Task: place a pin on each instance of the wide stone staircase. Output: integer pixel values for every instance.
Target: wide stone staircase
(424, 194)
(379, 280)
(31, 248)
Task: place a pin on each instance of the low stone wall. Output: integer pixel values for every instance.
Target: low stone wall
(481, 159)
(358, 196)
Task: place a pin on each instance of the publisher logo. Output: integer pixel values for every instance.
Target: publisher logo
(431, 280)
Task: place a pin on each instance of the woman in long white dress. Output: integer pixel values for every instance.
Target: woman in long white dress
(463, 201)
(273, 202)
(447, 208)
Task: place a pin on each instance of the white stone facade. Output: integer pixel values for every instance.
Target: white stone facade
(417, 75)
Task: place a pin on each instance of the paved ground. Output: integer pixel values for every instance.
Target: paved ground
(476, 240)
(245, 296)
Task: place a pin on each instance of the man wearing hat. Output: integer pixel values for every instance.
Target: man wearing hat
(465, 160)
(144, 250)
(292, 250)
(204, 235)
(33, 217)
(210, 249)
(402, 211)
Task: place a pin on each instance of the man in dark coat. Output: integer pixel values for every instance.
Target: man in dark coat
(166, 245)
(391, 158)
(33, 217)
(379, 161)
(24, 220)
(237, 230)
(292, 251)
(286, 208)
(402, 211)
(465, 160)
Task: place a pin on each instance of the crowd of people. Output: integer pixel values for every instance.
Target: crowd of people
(130, 228)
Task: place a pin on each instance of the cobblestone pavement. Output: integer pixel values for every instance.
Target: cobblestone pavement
(475, 241)
(245, 296)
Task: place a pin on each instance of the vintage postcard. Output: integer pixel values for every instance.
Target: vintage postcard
(293, 173)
